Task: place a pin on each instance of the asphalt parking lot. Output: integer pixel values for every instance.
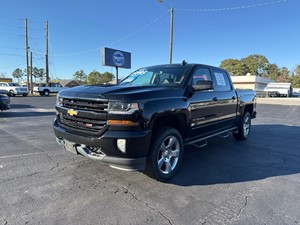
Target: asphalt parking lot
(226, 182)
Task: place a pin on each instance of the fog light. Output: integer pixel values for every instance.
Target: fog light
(121, 143)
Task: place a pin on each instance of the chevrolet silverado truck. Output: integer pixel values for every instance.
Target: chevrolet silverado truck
(144, 122)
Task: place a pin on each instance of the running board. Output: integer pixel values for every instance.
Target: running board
(201, 144)
(223, 134)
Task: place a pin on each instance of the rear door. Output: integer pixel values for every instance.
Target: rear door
(227, 99)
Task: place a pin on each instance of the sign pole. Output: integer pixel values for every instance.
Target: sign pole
(117, 74)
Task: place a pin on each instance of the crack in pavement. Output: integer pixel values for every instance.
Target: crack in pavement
(150, 206)
(261, 221)
(24, 176)
(40, 172)
(126, 190)
(244, 206)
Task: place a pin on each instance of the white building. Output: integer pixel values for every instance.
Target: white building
(250, 82)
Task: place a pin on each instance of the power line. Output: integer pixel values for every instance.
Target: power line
(141, 29)
(10, 25)
(32, 29)
(11, 18)
(1, 46)
(14, 66)
(8, 34)
(53, 68)
(121, 39)
(9, 54)
(30, 21)
(233, 8)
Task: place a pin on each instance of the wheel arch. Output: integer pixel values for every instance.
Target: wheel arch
(177, 121)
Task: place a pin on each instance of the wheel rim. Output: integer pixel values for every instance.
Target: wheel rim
(168, 155)
(247, 125)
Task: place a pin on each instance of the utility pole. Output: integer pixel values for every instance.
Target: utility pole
(171, 9)
(171, 33)
(26, 49)
(46, 56)
(31, 84)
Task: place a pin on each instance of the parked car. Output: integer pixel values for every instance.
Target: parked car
(144, 122)
(13, 89)
(48, 88)
(4, 100)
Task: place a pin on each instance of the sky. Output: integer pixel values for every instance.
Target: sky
(205, 31)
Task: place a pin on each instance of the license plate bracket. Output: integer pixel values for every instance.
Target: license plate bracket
(70, 146)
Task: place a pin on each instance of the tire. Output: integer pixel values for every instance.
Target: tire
(165, 154)
(11, 93)
(243, 128)
(24, 95)
(46, 92)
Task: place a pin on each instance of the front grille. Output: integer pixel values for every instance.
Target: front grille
(80, 116)
(88, 105)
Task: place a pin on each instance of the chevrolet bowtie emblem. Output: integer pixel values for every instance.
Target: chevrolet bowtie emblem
(72, 112)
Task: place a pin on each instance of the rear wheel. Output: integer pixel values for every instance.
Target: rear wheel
(244, 127)
(46, 93)
(24, 95)
(165, 154)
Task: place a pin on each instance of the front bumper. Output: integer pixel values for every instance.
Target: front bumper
(20, 92)
(105, 148)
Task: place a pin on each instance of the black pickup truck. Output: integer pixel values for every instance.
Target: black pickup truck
(144, 122)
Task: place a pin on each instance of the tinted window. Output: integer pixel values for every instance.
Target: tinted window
(157, 76)
(200, 74)
(221, 82)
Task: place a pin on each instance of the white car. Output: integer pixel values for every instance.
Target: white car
(13, 89)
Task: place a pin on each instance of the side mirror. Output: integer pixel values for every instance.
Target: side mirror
(203, 85)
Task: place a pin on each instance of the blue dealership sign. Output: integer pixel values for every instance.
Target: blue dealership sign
(116, 58)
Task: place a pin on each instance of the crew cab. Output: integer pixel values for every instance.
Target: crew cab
(13, 89)
(47, 88)
(145, 122)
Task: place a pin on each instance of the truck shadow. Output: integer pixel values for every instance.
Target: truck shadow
(25, 110)
(20, 106)
(271, 150)
(8, 114)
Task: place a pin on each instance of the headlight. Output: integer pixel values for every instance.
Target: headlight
(59, 100)
(122, 107)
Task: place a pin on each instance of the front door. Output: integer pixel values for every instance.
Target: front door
(203, 106)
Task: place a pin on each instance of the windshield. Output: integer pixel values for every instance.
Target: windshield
(14, 84)
(157, 76)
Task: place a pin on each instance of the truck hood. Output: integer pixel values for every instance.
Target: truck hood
(119, 92)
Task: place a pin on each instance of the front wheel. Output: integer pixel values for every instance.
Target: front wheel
(243, 128)
(11, 93)
(165, 154)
